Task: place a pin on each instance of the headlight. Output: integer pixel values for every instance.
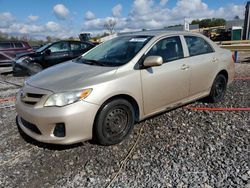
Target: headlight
(62, 99)
(24, 59)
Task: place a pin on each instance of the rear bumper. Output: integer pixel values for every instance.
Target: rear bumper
(78, 119)
(6, 63)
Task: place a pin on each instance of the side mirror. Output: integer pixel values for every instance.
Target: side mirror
(152, 61)
(47, 52)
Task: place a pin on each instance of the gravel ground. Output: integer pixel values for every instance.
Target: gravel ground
(180, 148)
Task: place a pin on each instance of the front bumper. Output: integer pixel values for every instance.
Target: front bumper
(19, 70)
(78, 119)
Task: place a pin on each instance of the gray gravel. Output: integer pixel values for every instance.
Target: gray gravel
(180, 148)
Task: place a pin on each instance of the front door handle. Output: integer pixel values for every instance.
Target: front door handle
(184, 67)
(215, 60)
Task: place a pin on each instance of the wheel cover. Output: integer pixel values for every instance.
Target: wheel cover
(116, 123)
(220, 88)
(35, 68)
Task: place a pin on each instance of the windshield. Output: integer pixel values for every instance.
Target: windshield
(117, 51)
(43, 47)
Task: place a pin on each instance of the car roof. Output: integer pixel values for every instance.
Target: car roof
(159, 33)
(4, 41)
(87, 42)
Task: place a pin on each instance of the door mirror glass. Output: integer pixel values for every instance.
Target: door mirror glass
(152, 61)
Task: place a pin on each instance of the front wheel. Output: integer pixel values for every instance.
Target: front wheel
(114, 122)
(218, 89)
(34, 68)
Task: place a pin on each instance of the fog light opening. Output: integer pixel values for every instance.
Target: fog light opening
(59, 130)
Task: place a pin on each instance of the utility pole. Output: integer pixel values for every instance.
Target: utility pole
(246, 32)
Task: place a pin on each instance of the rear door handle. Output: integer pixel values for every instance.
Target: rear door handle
(184, 67)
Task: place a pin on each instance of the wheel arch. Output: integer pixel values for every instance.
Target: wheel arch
(224, 73)
(127, 97)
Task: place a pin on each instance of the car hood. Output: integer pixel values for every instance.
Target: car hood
(29, 54)
(71, 76)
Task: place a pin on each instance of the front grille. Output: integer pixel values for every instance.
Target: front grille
(31, 98)
(30, 126)
(34, 95)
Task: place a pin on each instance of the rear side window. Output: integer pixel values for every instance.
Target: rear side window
(197, 46)
(18, 45)
(5, 45)
(169, 49)
(83, 46)
(76, 46)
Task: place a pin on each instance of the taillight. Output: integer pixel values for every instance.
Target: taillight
(233, 57)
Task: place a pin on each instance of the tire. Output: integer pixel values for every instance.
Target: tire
(218, 89)
(34, 68)
(113, 122)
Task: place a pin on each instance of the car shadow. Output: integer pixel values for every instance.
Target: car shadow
(34, 142)
(245, 60)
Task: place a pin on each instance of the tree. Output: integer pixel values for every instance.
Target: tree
(71, 38)
(209, 22)
(110, 25)
(236, 17)
(49, 39)
(3, 36)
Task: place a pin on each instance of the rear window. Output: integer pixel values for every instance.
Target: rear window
(18, 45)
(5, 45)
(197, 46)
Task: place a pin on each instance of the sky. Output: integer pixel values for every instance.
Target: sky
(66, 18)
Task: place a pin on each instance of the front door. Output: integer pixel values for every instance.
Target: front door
(59, 52)
(169, 83)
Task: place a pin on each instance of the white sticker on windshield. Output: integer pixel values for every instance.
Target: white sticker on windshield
(138, 40)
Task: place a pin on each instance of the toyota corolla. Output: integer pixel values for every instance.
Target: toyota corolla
(101, 94)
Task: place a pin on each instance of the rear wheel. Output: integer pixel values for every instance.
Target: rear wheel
(114, 122)
(34, 68)
(218, 89)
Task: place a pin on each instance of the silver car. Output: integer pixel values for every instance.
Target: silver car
(101, 94)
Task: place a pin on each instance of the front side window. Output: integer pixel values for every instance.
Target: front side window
(169, 49)
(117, 51)
(59, 47)
(43, 47)
(197, 45)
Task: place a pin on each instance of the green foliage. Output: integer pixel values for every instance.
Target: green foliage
(32, 42)
(210, 22)
(178, 25)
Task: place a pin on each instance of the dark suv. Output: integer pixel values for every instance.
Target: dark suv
(9, 50)
(49, 55)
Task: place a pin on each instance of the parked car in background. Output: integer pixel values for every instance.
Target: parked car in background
(49, 55)
(124, 80)
(9, 50)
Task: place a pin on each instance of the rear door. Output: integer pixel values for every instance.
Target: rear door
(59, 52)
(169, 83)
(203, 64)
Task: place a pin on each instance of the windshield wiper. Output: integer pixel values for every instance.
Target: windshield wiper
(93, 62)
